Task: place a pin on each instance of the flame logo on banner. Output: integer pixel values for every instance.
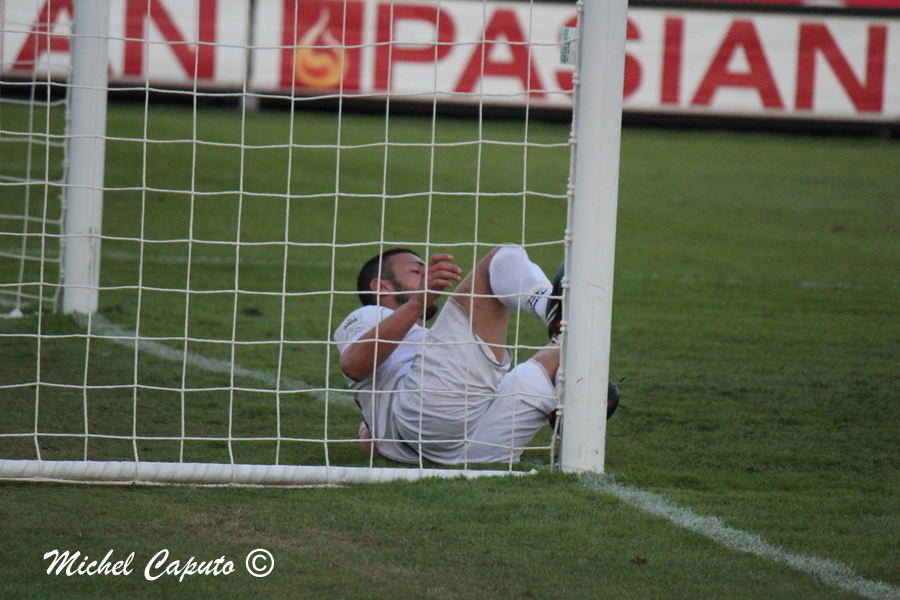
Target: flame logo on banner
(322, 67)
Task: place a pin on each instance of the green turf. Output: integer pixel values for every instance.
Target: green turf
(755, 337)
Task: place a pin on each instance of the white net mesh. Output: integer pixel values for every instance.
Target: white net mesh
(32, 159)
(256, 156)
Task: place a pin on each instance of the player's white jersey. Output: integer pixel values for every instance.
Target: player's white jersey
(376, 393)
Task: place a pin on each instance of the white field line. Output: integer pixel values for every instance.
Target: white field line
(98, 325)
(828, 571)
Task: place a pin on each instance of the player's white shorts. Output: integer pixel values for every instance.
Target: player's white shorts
(458, 403)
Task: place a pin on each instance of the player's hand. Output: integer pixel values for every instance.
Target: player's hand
(439, 275)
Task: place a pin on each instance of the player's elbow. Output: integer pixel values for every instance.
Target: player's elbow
(353, 369)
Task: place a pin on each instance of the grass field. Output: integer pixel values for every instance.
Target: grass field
(755, 336)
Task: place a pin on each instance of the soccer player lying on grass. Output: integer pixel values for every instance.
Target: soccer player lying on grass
(447, 393)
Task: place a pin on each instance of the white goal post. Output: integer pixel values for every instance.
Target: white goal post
(595, 185)
(87, 152)
(178, 328)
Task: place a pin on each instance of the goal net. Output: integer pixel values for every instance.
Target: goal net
(252, 156)
(32, 155)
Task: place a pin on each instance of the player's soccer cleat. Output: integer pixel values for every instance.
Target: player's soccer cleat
(612, 400)
(554, 305)
(612, 403)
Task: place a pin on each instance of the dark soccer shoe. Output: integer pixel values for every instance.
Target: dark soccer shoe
(612, 403)
(612, 400)
(554, 305)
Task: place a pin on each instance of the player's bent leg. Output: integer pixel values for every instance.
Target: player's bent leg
(488, 316)
(504, 280)
(519, 283)
(524, 397)
(548, 358)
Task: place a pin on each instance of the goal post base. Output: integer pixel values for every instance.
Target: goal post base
(79, 471)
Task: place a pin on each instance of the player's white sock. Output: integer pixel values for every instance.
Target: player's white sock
(519, 283)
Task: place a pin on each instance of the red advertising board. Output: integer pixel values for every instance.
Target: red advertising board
(678, 61)
(157, 42)
(321, 45)
(836, 4)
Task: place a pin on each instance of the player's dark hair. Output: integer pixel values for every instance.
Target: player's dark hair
(369, 272)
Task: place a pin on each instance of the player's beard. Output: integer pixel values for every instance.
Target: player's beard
(403, 298)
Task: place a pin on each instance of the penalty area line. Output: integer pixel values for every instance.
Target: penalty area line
(99, 326)
(96, 324)
(828, 571)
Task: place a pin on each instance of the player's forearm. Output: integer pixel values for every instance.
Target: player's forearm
(360, 358)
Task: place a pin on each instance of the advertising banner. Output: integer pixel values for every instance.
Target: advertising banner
(679, 61)
(155, 43)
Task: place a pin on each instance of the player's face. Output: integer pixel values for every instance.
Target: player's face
(409, 271)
